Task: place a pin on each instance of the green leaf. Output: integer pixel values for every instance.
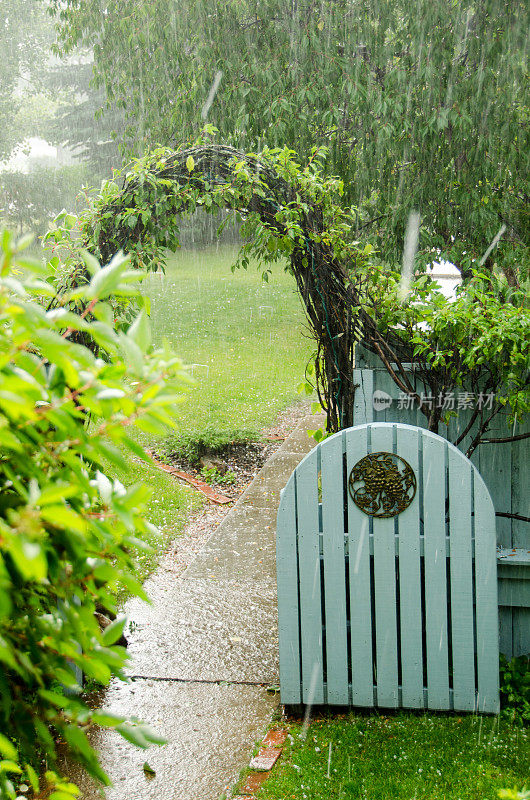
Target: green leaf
(10, 766)
(106, 281)
(140, 331)
(63, 517)
(106, 720)
(33, 777)
(133, 734)
(190, 163)
(7, 749)
(112, 633)
(91, 262)
(29, 559)
(51, 494)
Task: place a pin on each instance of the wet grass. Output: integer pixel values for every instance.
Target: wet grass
(400, 757)
(243, 338)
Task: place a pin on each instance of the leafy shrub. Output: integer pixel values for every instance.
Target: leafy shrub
(515, 688)
(68, 533)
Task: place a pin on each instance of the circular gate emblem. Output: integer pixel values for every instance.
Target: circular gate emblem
(382, 484)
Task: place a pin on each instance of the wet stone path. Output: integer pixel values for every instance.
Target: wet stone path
(203, 653)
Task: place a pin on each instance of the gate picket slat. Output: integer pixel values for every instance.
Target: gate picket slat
(360, 589)
(334, 571)
(486, 600)
(363, 411)
(461, 581)
(288, 611)
(408, 442)
(385, 589)
(435, 564)
(309, 572)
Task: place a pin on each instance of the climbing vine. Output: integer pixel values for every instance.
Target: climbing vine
(294, 213)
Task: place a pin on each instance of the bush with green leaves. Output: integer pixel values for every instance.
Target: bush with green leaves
(515, 688)
(68, 533)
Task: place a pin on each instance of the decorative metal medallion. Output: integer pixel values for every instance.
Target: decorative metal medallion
(382, 484)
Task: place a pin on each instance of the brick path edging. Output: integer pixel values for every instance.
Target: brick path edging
(262, 763)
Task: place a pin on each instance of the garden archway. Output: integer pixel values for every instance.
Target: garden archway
(295, 212)
(141, 216)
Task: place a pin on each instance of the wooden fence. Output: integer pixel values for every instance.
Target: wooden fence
(505, 469)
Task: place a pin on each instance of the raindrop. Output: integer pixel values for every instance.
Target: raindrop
(409, 253)
(211, 95)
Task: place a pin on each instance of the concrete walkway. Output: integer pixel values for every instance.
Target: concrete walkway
(203, 654)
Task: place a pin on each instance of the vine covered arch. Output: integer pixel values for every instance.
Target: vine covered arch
(295, 212)
(287, 211)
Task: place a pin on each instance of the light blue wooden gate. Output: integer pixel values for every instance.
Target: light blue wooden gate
(388, 611)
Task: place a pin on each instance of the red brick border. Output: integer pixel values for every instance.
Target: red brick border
(262, 763)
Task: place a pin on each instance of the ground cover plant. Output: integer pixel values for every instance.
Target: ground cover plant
(244, 337)
(400, 756)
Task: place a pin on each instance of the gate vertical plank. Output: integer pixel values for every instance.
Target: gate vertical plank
(496, 470)
(435, 572)
(520, 482)
(461, 581)
(385, 589)
(363, 410)
(309, 573)
(331, 466)
(408, 441)
(288, 611)
(360, 589)
(486, 600)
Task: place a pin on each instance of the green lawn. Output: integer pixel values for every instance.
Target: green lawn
(244, 339)
(247, 337)
(401, 757)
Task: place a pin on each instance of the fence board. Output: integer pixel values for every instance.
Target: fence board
(496, 463)
(288, 610)
(486, 599)
(462, 630)
(363, 410)
(360, 582)
(334, 570)
(408, 443)
(434, 466)
(385, 590)
(309, 572)
(520, 492)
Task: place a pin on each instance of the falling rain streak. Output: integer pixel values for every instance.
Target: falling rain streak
(211, 95)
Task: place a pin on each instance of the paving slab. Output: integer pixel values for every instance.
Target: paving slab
(210, 731)
(264, 491)
(243, 548)
(207, 629)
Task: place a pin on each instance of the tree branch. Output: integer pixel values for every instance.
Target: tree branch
(520, 517)
(516, 438)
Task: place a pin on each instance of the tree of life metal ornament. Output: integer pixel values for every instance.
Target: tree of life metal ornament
(382, 484)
